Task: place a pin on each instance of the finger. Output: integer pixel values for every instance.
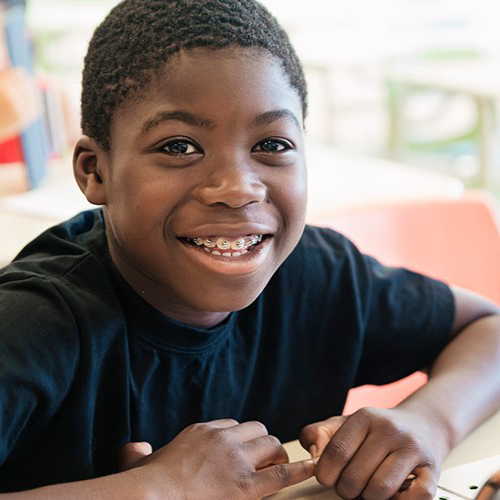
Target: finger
(356, 474)
(131, 453)
(249, 430)
(276, 477)
(389, 477)
(266, 450)
(315, 437)
(340, 450)
(423, 487)
(223, 423)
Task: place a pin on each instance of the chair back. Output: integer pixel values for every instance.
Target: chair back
(456, 240)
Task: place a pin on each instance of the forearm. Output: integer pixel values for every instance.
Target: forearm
(126, 485)
(464, 382)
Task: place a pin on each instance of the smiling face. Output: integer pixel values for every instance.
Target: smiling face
(204, 186)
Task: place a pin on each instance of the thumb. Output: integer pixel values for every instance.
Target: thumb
(130, 454)
(315, 437)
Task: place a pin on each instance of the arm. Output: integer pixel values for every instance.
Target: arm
(218, 459)
(464, 381)
(373, 451)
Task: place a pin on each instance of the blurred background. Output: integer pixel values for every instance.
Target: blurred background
(413, 83)
(370, 66)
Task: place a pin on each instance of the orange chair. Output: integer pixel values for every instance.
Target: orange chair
(455, 240)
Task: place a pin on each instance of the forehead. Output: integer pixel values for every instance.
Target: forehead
(217, 82)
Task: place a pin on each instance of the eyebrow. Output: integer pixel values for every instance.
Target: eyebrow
(271, 116)
(185, 116)
(180, 115)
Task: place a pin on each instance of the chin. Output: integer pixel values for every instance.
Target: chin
(228, 302)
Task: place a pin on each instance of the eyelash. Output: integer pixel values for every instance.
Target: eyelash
(282, 144)
(179, 140)
(285, 146)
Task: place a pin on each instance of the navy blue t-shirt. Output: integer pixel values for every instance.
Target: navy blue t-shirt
(86, 365)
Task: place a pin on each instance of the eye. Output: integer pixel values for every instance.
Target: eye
(272, 146)
(179, 147)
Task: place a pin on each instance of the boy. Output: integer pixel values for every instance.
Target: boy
(195, 316)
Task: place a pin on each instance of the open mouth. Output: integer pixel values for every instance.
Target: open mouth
(222, 246)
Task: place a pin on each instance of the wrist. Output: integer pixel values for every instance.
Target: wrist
(436, 426)
(147, 483)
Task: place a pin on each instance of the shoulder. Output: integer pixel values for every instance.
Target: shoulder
(55, 279)
(323, 250)
(60, 253)
(53, 298)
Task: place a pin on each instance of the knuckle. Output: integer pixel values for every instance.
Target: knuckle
(366, 412)
(380, 488)
(337, 450)
(427, 495)
(273, 441)
(350, 483)
(199, 426)
(263, 428)
(224, 439)
(282, 473)
(425, 492)
(245, 484)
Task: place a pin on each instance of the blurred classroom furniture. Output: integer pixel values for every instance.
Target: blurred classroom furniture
(336, 180)
(339, 179)
(30, 144)
(478, 445)
(36, 107)
(475, 78)
(456, 240)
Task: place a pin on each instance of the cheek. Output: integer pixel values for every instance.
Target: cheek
(292, 198)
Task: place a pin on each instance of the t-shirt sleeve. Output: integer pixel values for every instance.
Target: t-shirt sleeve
(408, 319)
(38, 357)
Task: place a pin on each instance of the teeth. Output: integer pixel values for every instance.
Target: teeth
(218, 244)
(227, 244)
(223, 244)
(238, 244)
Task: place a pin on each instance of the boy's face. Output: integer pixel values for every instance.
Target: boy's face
(205, 183)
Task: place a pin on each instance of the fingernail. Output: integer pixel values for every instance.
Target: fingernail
(310, 462)
(407, 482)
(313, 450)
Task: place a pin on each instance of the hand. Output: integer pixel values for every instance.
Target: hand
(213, 460)
(372, 452)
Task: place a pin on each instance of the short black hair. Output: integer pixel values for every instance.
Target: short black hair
(137, 38)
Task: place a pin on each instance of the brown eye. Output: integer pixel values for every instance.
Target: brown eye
(273, 146)
(179, 147)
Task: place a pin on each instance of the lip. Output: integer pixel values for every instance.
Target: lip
(230, 266)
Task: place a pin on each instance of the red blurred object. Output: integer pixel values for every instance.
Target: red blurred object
(11, 151)
(456, 240)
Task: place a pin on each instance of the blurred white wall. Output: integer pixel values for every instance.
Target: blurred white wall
(344, 46)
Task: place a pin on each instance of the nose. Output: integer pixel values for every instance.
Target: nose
(234, 184)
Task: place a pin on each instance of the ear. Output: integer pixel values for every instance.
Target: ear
(91, 167)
